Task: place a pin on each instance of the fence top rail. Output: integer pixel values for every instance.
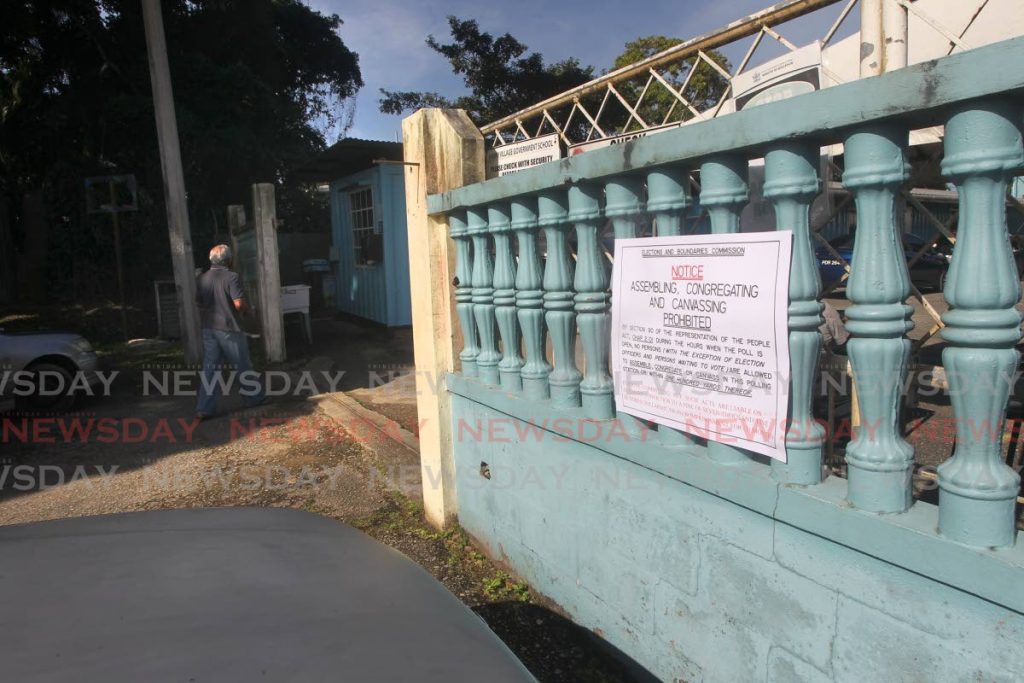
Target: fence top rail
(915, 95)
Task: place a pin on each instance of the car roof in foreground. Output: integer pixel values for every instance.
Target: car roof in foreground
(230, 594)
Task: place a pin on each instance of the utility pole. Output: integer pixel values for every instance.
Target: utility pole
(116, 220)
(174, 180)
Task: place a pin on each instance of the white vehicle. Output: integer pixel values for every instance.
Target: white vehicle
(43, 371)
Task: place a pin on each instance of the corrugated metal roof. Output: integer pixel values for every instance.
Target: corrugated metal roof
(346, 157)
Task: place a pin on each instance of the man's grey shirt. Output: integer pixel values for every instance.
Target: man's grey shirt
(216, 291)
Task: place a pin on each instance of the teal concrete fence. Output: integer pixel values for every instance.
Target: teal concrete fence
(700, 560)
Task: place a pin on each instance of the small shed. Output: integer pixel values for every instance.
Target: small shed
(369, 247)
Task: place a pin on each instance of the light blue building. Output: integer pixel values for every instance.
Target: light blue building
(369, 248)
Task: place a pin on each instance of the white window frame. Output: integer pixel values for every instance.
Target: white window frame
(362, 219)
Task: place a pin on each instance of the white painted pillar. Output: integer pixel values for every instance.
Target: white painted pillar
(443, 150)
(894, 35)
(883, 37)
(871, 51)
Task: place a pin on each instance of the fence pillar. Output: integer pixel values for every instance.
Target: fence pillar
(791, 181)
(530, 299)
(264, 216)
(443, 150)
(591, 285)
(236, 219)
(500, 227)
(977, 491)
(880, 462)
(668, 195)
(564, 380)
(723, 192)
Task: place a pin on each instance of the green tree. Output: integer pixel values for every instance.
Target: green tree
(501, 77)
(703, 91)
(255, 84)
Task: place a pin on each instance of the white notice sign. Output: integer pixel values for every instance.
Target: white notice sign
(699, 335)
(515, 156)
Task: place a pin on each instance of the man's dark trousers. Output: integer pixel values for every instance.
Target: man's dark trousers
(223, 350)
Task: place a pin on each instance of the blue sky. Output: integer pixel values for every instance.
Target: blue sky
(390, 36)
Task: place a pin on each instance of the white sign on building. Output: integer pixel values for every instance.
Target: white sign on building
(699, 335)
(515, 156)
(794, 73)
(581, 147)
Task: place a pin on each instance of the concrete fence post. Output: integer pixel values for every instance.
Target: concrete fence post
(443, 150)
(264, 217)
(236, 219)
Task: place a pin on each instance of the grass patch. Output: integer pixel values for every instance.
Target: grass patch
(503, 586)
(401, 517)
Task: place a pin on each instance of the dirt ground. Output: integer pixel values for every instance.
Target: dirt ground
(150, 454)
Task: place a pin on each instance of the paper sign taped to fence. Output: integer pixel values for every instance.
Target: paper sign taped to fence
(699, 335)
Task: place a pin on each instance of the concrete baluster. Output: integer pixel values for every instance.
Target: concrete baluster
(880, 462)
(977, 491)
(791, 181)
(483, 297)
(530, 299)
(624, 206)
(724, 194)
(505, 297)
(559, 314)
(591, 285)
(668, 195)
(464, 291)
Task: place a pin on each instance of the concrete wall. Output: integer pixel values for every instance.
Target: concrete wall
(698, 588)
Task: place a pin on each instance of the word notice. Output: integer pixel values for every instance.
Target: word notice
(699, 335)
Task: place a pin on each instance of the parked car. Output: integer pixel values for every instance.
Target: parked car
(927, 274)
(41, 370)
(230, 594)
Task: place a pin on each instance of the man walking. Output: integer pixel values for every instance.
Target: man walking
(221, 300)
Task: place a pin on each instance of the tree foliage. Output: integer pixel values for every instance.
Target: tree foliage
(703, 90)
(501, 76)
(255, 84)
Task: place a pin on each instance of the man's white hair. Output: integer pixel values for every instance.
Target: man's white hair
(220, 255)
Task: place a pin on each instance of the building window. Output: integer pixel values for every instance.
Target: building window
(367, 246)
